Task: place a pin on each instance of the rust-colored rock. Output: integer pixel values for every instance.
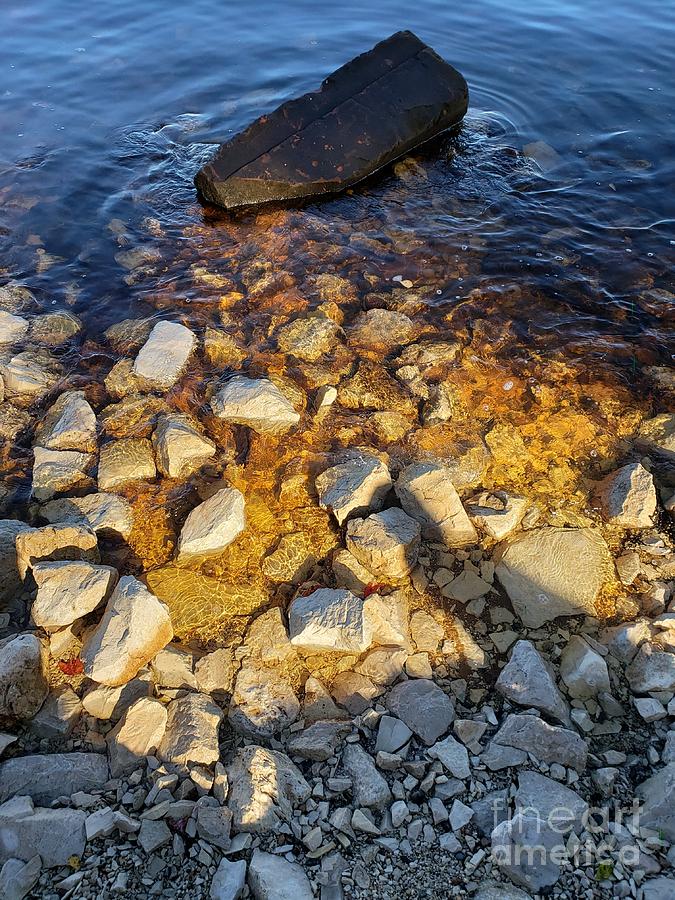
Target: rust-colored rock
(368, 113)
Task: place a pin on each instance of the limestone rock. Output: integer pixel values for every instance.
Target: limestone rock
(44, 777)
(388, 619)
(559, 807)
(309, 338)
(427, 493)
(393, 735)
(229, 880)
(623, 641)
(23, 675)
(423, 706)
(179, 447)
(164, 356)
(357, 485)
(267, 640)
(105, 702)
(58, 715)
(18, 878)
(657, 795)
(134, 627)
(70, 424)
(69, 590)
(549, 743)
(214, 824)
(329, 620)
(497, 513)
(354, 691)
(453, 756)
(213, 525)
(319, 741)
(255, 402)
(651, 670)
(12, 328)
(627, 497)
(173, 668)
(528, 681)
(55, 542)
(262, 703)
(383, 665)
(137, 734)
(386, 543)
(524, 848)
(657, 437)
(318, 704)
(265, 787)
(215, 671)
(123, 461)
(369, 788)
(191, 734)
(29, 376)
(10, 578)
(583, 669)
(381, 330)
(55, 835)
(426, 632)
(493, 890)
(56, 471)
(553, 572)
(54, 328)
(103, 513)
(272, 877)
(349, 573)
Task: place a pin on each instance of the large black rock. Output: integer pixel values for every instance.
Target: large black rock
(369, 112)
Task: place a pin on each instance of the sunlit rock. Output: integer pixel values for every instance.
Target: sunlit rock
(70, 424)
(552, 572)
(137, 735)
(381, 330)
(255, 402)
(103, 513)
(164, 356)
(57, 471)
(134, 627)
(12, 328)
(628, 497)
(213, 525)
(30, 375)
(68, 590)
(124, 461)
(329, 620)
(179, 447)
(55, 542)
(191, 734)
(427, 494)
(357, 485)
(263, 703)
(497, 513)
(265, 788)
(23, 675)
(386, 543)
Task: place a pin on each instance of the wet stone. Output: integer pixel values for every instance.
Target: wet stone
(255, 402)
(124, 461)
(70, 424)
(428, 495)
(179, 446)
(628, 497)
(164, 356)
(213, 525)
(12, 328)
(54, 328)
(58, 471)
(358, 485)
(309, 338)
(386, 543)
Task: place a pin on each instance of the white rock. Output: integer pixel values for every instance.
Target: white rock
(58, 715)
(56, 471)
(123, 461)
(388, 619)
(556, 805)
(69, 590)
(386, 543)
(265, 789)
(427, 493)
(215, 671)
(628, 497)
(101, 512)
(274, 878)
(30, 375)
(399, 813)
(53, 542)
(523, 848)
(423, 706)
(213, 525)
(70, 424)
(553, 572)
(135, 626)
(105, 702)
(179, 446)
(357, 485)
(528, 681)
(497, 513)
(548, 743)
(453, 756)
(651, 670)
(17, 878)
(657, 794)
(44, 777)
(23, 675)
(460, 815)
(583, 669)
(329, 620)
(369, 787)
(649, 709)
(12, 328)
(383, 665)
(164, 356)
(191, 734)
(263, 703)
(255, 402)
(623, 641)
(173, 667)
(137, 734)
(52, 834)
(229, 880)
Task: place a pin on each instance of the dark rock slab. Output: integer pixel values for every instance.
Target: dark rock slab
(369, 112)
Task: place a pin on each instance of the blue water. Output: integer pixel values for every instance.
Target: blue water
(108, 109)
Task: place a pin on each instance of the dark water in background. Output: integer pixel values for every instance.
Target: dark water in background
(107, 110)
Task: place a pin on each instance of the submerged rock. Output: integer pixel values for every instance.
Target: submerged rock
(401, 85)
(124, 461)
(309, 338)
(164, 356)
(179, 446)
(12, 328)
(255, 402)
(103, 513)
(57, 471)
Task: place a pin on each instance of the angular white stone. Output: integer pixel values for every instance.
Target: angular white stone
(12, 328)
(263, 703)
(137, 734)
(229, 880)
(23, 675)
(70, 424)
(272, 877)
(52, 542)
(101, 512)
(213, 525)
(135, 626)
(173, 667)
(497, 513)
(628, 497)
(265, 789)
(191, 735)
(427, 493)
(256, 402)
(329, 620)
(528, 681)
(44, 777)
(53, 834)
(163, 357)
(386, 543)
(359, 484)
(55, 471)
(651, 670)
(583, 669)
(553, 572)
(29, 374)
(179, 447)
(17, 878)
(68, 590)
(105, 702)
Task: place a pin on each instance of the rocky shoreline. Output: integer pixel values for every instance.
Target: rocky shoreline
(373, 673)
